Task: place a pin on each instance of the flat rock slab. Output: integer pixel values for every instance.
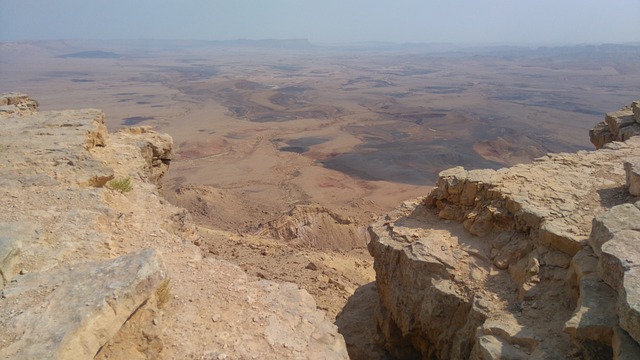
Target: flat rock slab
(605, 226)
(251, 319)
(12, 236)
(71, 312)
(54, 145)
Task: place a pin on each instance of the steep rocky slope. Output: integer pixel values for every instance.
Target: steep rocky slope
(95, 269)
(534, 261)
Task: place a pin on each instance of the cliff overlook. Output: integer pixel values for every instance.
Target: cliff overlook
(96, 264)
(535, 261)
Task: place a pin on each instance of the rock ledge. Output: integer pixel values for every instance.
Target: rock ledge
(533, 261)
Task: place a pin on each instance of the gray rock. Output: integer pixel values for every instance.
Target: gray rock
(71, 312)
(629, 303)
(618, 119)
(594, 317)
(623, 346)
(618, 218)
(627, 132)
(619, 125)
(632, 171)
(491, 347)
(557, 235)
(618, 255)
(601, 135)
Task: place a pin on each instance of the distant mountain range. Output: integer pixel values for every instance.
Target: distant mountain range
(93, 54)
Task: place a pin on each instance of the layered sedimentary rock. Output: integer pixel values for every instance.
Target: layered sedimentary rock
(92, 269)
(533, 261)
(318, 227)
(618, 126)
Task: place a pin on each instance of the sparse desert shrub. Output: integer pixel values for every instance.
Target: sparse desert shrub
(163, 292)
(122, 184)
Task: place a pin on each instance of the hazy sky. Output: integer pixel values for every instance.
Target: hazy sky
(322, 21)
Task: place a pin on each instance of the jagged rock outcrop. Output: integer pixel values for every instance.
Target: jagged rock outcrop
(17, 103)
(618, 126)
(534, 261)
(318, 227)
(89, 270)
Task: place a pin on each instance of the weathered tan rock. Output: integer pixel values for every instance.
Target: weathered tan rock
(618, 255)
(618, 119)
(601, 135)
(70, 313)
(583, 265)
(619, 125)
(58, 143)
(411, 304)
(16, 103)
(156, 149)
(528, 230)
(594, 317)
(317, 226)
(12, 235)
(622, 217)
(632, 170)
(80, 285)
(627, 132)
(629, 303)
(494, 348)
(296, 324)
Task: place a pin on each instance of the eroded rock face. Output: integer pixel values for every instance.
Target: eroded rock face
(82, 275)
(318, 227)
(16, 103)
(505, 264)
(619, 125)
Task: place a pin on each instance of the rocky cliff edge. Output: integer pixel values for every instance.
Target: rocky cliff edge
(537, 261)
(94, 263)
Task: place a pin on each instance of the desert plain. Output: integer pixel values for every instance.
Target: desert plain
(287, 151)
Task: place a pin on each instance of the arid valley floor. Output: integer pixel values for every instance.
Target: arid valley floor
(271, 134)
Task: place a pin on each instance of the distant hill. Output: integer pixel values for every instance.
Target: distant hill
(93, 54)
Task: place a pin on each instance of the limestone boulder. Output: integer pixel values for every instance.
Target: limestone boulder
(618, 119)
(156, 149)
(629, 303)
(601, 135)
(619, 125)
(632, 170)
(72, 312)
(16, 103)
(618, 218)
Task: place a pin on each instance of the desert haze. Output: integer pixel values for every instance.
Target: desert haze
(269, 133)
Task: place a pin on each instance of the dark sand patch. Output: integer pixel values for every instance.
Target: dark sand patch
(135, 120)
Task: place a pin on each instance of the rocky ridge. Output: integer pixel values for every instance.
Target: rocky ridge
(533, 261)
(92, 269)
(617, 126)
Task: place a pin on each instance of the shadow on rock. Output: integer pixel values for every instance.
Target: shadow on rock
(357, 324)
